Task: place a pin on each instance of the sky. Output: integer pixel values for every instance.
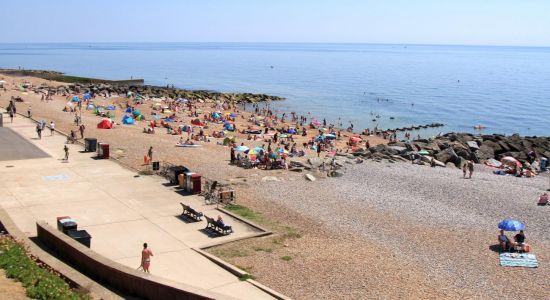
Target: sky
(464, 22)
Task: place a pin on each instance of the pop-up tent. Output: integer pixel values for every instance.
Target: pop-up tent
(105, 124)
(128, 120)
(75, 99)
(111, 107)
(197, 122)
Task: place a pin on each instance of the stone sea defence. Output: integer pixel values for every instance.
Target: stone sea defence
(135, 86)
(456, 148)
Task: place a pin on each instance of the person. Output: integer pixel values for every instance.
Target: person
(470, 168)
(232, 155)
(39, 130)
(150, 153)
(318, 149)
(29, 111)
(543, 199)
(66, 149)
(432, 162)
(464, 170)
(221, 224)
(146, 254)
(503, 241)
(11, 116)
(81, 128)
(519, 241)
(52, 128)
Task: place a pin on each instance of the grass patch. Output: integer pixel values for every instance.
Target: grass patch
(286, 258)
(39, 283)
(230, 253)
(291, 233)
(247, 276)
(268, 250)
(244, 212)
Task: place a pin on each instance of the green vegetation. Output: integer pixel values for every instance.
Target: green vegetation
(247, 276)
(264, 249)
(39, 283)
(245, 212)
(286, 258)
(229, 253)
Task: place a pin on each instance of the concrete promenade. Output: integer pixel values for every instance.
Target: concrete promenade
(120, 210)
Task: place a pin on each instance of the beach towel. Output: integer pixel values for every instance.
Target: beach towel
(186, 145)
(526, 260)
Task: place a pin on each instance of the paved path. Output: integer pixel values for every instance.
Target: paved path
(15, 147)
(118, 209)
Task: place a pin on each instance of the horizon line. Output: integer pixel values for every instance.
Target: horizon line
(280, 42)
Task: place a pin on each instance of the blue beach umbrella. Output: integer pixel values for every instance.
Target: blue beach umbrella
(511, 225)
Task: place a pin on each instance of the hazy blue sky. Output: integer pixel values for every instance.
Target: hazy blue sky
(485, 22)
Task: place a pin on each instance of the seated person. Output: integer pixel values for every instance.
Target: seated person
(189, 142)
(543, 199)
(503, 241)
(519, 241)
(181, 141)
(221, 224)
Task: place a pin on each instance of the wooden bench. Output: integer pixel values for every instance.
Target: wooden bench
(190, 212)
(214, 225)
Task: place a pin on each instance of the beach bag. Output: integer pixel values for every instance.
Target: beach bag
(527, 248)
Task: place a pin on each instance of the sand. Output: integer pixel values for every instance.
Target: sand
(383, 230)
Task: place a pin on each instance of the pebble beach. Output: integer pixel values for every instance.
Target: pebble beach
(382, 230)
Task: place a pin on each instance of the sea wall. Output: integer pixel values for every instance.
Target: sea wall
(456, 148)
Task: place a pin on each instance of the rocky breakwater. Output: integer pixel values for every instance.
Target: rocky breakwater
(454, 149)
(149, 91)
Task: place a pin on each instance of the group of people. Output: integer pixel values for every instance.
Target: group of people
(518, 244)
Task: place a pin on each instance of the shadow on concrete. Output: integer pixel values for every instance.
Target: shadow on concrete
(186, 219)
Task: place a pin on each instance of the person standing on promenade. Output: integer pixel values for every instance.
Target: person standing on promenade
(11, 116)
(150, 153)
(66, 149)
(29, 111)
(146, 254)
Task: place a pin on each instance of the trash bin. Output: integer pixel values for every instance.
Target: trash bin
(176, 171)
(156, 165)
(90, 144)
(81, 236)
(1, 120)
(60, 221)
(181, 181)
(103, 150)
(188, 182)
(196, 182)
(68, 225)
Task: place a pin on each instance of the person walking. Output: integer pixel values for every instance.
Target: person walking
(66, 149)
(39, 130)
(52, 128)
(11, 116)
(146, 254)
(150, 153)
(81, 128)
(470, 168)
(29, 111)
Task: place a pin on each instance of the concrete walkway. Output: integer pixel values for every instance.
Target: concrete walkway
(120, 211)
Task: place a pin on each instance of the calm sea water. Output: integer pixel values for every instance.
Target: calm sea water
(506, 89)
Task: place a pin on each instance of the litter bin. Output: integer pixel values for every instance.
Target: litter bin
(1, 120)
(196, 182)
(81, 236)
(181, 181)
(176, 171)
(188, 182)
(61, 220)
(103, 151)
(90, 144)
(68, 225)
(156, 165)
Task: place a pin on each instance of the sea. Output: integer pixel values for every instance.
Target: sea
(504, 89)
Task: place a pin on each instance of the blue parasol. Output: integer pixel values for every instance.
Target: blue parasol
(511, 225)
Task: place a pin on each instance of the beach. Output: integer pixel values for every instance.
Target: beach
(382, 230)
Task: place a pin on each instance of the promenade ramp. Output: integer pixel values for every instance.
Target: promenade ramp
(119, 209)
